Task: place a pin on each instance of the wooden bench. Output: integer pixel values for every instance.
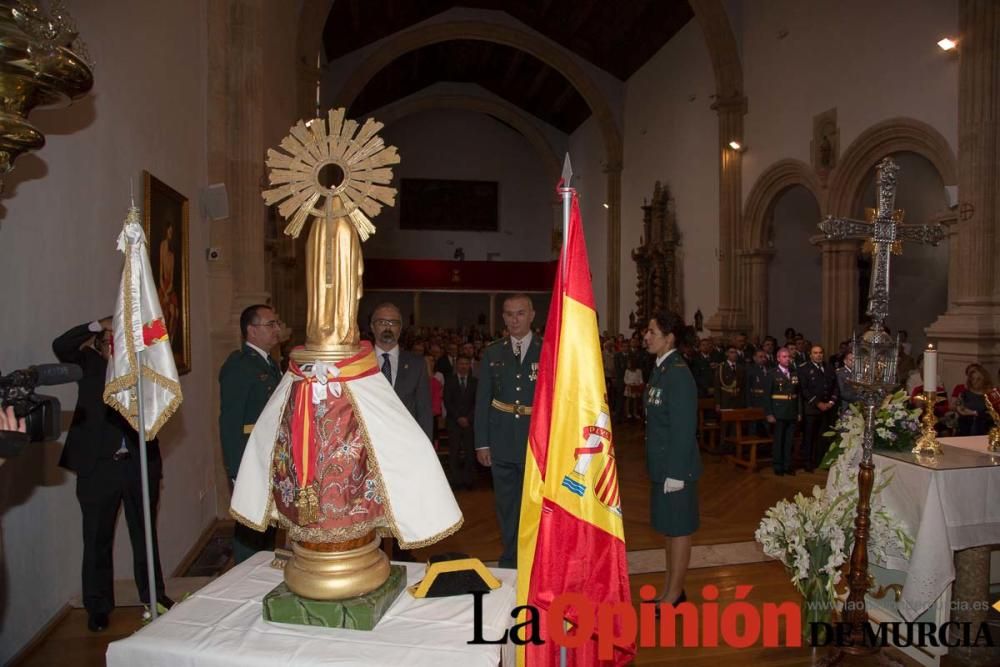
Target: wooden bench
(743, 438)
(708, 427)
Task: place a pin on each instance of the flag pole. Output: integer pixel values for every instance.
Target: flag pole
(567, 196)
(147, 513)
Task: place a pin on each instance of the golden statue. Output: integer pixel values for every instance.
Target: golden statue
(323, 459)
(339, 179)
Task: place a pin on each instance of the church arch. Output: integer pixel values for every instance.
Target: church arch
(770, 185)
(506, 112)
(894, 135)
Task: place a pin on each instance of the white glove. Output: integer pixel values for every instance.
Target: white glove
(671, 485)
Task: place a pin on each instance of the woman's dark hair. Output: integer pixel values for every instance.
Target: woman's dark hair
(668, 323)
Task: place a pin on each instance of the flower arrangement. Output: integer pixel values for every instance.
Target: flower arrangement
(897, 427)
(812, 535)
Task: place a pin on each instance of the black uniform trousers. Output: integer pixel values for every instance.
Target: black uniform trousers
(784, 439)
(101, 495)
(814, 445)
(508, 481)
(461, 454)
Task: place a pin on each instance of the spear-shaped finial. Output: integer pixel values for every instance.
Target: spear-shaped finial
(567, 172)
(131, 192)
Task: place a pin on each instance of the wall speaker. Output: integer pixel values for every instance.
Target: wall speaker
(215, 201)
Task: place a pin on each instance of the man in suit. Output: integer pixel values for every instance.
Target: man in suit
(819, 398)
(103, 450)
(405, 371)
(460, 404)
(731, 381)
(503, 411)
(769, 346)
(744, 349)
(246, 381)
(446, 364)
(783, 410)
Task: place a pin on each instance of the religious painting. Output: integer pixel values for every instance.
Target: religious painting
(166, 225)
(825, 144)
(449, 205)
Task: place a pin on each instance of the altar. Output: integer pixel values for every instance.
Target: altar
(221, 625)
(949, 504)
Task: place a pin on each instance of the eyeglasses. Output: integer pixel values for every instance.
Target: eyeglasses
(387, 323)
(272, 324)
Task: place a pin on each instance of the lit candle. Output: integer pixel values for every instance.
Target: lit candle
(930, 369)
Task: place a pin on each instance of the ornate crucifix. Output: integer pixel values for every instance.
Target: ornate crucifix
(885, 231)
(873, 376)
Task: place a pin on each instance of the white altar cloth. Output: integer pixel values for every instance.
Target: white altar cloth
(946, 511)
(221, 625)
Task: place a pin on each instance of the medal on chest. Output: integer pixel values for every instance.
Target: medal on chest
(654, 396)
(534, 371)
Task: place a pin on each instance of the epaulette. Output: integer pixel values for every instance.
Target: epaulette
(680, 363)
(498, 341)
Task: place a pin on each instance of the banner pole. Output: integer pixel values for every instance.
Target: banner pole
(144, 472)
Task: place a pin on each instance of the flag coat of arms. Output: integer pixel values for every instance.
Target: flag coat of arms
(139, 327)
(571, 537)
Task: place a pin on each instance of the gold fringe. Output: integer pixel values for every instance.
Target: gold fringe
(373, 463)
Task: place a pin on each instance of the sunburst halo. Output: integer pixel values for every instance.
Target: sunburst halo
(363, 159)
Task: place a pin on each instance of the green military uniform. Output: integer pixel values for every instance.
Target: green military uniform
(246, 382)
(704, 367)
(730, 385)
(672, 447)
(782, 403)
(756, 396)
(504, 396)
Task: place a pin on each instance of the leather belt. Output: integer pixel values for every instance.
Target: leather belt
(248, 429)
(784, 397)
(510, 408)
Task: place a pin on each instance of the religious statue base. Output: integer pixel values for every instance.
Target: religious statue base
(329, 354)
(359, 613)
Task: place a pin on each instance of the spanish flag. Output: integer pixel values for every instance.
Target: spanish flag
(571, 541)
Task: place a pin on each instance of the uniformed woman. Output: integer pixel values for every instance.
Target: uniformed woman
(672, 456)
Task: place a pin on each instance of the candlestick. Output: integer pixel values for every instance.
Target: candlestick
(930, 369)
(927, 443)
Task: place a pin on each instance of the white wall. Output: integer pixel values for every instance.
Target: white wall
(670, 136)
(870, 60)
(586, 151)
(470, 146)
(795, 289)
(62, 211)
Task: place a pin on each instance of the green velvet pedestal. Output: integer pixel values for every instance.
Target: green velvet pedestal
(360, 613)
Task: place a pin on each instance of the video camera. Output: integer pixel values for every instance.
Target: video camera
(42, 414)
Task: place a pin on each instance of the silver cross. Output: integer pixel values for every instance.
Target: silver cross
(884, 230)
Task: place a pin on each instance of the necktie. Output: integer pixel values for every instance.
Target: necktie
(387, 367)
(461, 382)
(517, 350)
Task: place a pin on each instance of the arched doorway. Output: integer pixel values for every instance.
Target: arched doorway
(919, 280)
(794, 292)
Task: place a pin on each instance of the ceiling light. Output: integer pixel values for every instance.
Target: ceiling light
(605, 205)
(947, 44)
(735, 145)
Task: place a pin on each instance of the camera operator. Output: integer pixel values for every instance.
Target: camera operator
(8, 422)
(102, 449)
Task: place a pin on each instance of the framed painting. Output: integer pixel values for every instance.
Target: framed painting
(166, 224)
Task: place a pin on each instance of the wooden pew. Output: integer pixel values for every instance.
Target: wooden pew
(742, 437)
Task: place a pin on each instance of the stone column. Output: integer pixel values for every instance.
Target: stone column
(970, 604)
(840, 290)
(614, 202)
(236, 158)
(729, 319)
(756, 299)
(970, 329)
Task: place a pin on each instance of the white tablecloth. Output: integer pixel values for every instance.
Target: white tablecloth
(946, 511)
(222, 625)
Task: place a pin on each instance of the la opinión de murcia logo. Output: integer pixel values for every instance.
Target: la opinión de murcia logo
(736, 624)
